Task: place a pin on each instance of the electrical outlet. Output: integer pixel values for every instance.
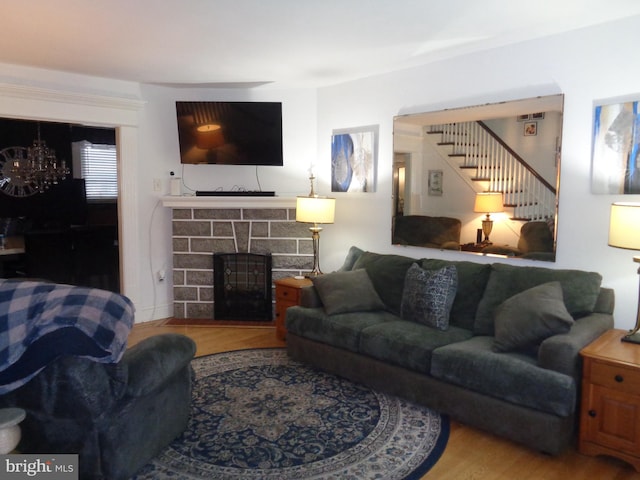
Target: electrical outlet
(157, 185)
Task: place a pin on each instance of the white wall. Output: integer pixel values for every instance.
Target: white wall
(586, 65)
(160, 155)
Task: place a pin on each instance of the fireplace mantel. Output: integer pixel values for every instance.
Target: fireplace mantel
(191, 201)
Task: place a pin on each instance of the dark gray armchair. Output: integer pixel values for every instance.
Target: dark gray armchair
(116, 416)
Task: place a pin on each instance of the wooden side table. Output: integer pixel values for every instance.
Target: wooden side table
(473, 247)
(610, 413)
(287, 295)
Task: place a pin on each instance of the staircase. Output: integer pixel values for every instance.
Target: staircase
(486, 163)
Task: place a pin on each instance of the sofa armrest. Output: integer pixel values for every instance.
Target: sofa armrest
(606, 301)
(154, 360)
(309, 297)
(562, 352)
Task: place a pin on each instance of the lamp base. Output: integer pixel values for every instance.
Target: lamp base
(632, 337)
(315, 236)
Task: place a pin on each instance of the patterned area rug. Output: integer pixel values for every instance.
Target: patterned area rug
(259, 415)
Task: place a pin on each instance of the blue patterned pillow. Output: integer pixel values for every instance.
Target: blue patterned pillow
(428, 295)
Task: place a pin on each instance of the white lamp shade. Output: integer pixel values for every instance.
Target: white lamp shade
(488, 202)
(315, 209)
(624, 225)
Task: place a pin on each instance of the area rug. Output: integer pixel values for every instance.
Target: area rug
(258, 415)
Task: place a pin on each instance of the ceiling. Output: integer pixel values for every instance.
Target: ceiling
(282, 43)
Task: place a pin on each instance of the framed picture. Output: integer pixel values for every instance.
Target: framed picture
(435, 183)
(354, 159)
(537, 116)
(530, 129)
(615, 149)
(524, 118)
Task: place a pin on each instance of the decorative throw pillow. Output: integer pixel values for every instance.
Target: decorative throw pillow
(580, 290)
(428, 295)
(350, 291)
(529, 317)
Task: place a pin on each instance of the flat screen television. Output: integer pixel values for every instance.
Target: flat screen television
(230, 133)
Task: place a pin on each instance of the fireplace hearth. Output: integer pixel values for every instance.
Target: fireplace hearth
(242, 286)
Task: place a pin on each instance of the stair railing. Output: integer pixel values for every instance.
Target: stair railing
(478, 148)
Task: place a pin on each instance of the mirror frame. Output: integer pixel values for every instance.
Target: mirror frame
(433, 193)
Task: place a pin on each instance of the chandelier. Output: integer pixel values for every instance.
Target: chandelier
(30, 170)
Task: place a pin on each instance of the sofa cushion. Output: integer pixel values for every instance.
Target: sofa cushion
(529, 317)
(387, 274)
(580, 290)
(512, 377)
(472, 280)
(350, 291)
(428, 295)
(342, 330)
(352, 255)
(407, 344)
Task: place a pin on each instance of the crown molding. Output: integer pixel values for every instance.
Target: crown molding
(28, 92)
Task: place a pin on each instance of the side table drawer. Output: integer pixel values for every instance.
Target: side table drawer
(287, 294)
(615, 377)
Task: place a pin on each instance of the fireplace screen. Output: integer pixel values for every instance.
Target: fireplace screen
(242, 286)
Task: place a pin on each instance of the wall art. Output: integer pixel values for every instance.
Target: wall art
(435, 183)
(354, 155)
(615, 147)
(530, 129)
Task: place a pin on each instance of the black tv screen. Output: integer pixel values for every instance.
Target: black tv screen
(230, 133)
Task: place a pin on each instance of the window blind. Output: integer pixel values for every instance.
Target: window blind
(99, 168)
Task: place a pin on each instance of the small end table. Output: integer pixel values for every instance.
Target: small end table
(10, 428)
(610, 412)
(287, 295)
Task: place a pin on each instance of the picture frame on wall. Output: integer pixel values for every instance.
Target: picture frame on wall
(354, 157)
(435, 183)
(530, 129)
(615, 148)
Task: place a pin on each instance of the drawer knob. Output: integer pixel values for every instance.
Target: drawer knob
(592, 413)
(285, 293)
(619, 378)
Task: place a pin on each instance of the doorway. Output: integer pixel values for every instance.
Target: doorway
(69, 235)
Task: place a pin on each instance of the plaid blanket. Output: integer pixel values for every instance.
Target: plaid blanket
(30, 310)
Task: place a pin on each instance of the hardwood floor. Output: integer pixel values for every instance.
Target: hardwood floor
(470, 454)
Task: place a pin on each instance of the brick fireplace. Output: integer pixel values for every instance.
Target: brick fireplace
(203, 226)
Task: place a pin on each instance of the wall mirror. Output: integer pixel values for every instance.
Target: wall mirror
(481, 179)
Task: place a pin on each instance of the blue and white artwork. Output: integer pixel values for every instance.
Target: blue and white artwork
(615, 149)
(353, 156)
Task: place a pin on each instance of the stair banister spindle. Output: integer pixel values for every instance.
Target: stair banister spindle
(471, 158)
(471, 149)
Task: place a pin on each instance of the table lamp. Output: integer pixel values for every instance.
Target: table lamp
(488, 202)
(624, 232)
(316, 210)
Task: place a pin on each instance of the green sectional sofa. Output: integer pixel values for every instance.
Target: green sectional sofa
(494, 346)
